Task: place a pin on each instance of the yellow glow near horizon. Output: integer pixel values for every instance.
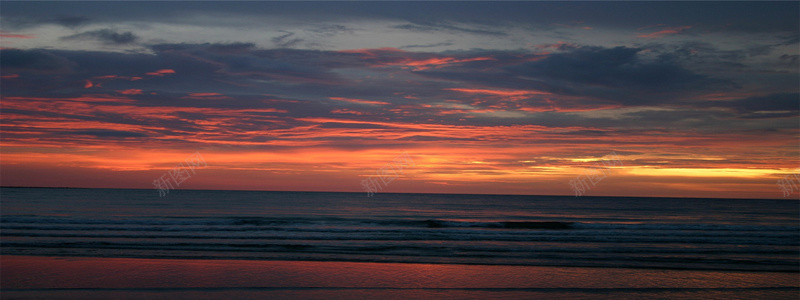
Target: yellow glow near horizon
(694, 172)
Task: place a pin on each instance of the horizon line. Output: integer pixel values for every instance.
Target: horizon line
(234, 190)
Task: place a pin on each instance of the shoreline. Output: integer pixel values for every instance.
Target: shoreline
(88, 277)
(400, 262)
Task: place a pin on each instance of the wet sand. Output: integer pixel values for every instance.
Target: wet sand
(134, 278)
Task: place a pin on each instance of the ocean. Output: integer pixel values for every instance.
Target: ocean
(628, 233)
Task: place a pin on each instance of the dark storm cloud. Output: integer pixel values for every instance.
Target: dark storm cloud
(17, 22)
(106, 36)
(770, 106)
(620, 74)
(232, 48)
(433, 27)
(247, 63)
(301, 83)
(71, 21)
(790, 60)
(790, 40)
(285, 40)
(593, 73)
(612, 73)
(34, 61)
(743, 16)
(238, 68)
(331, 29)
(442, 44)
(705, 57)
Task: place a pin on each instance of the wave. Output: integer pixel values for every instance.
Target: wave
(425, 240)
(244, 222)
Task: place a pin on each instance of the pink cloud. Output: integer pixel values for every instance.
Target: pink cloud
(207, 96)
(161, 72)
(666, 31)
(383, 57)
(16, 36)
(130, 92)
(346, 111)
(204, 94)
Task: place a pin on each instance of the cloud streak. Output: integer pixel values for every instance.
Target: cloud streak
(665, 31)
(487, 104)
(106, 36)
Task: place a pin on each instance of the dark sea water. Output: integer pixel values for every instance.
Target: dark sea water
(649, 233)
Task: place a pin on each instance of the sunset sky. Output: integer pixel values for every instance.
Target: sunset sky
(697, 99)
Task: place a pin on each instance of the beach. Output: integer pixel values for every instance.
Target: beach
(194, 244)
(399, 150)
(25, 277)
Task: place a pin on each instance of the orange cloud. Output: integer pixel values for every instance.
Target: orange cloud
(346, 111)
(424, 64)
(558, 45)
(530, 164)
(16, 36)
(84, 98)
(118, 77)
(670, 30)
(436, 62)
(161, 72)
(108, 77)
(506, 93)
(206, 96)
(511, 95)
(514, 159)
(395, 57)
(130, 92)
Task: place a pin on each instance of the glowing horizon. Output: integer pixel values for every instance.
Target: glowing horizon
(519, 105)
